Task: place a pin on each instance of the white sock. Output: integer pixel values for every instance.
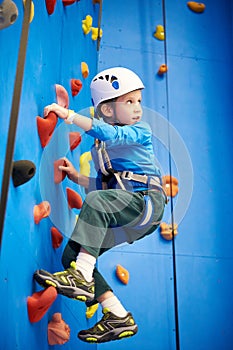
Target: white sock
(115, 306)
(86, 263)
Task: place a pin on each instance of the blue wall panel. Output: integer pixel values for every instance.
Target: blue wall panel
(56, 48)
(195, 96)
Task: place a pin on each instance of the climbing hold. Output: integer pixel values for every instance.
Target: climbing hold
(84, 70)
(162, 69)
(95, 2)
(87, 24)
(75, 139)
(39, 303)
(167, 231)
(50, 6)
(84, 160)
(76, 86)
(57, 237)
(22, 171)
(92, 111)
(91, 310)
(170, 185)
(96, 33)
(68, 2)
(32, 10)
(8, 13)
(62, 96)
(58, 330)
(74, 199)
(45, 127)
(122, 274)
(59, 175)
(41, 211)
(196, 6)
(159, 32)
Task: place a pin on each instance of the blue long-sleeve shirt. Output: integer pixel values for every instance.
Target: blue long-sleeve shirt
(129, 148)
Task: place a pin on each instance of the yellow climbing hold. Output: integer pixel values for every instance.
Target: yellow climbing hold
(91, 310)
(87, 24)
(96, 33)
(85, 167)
(92, 111)
(84, 70)
(159, 32)
(32, 10)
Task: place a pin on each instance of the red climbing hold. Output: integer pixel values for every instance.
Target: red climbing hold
(39, 303)
(57, 237)
(58, 330)
(75, 139)
(45, 127)
(76, 86)
(50, 6)
(59, 175)
(74, 199)
(68, 2)
(41, 211)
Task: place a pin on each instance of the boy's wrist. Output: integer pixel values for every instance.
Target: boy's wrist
(71, 116)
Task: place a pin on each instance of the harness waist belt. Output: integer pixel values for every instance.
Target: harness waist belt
(145, 179)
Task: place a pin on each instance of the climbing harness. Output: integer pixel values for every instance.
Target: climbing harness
(107, 170)
(153, 182)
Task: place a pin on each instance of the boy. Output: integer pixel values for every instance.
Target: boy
(116, 212)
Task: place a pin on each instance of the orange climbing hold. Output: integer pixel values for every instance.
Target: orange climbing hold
(122, 274)
(59, 175)
(196, 6)
(45, 127)
(41, 211)
(162, 69)
(39, 303)
(57, 237)
(75, 139)
(50, 6)
(84, 70)
(170, 185)
(76, 86)
(58, 330)
(74, 199)
(167, 231)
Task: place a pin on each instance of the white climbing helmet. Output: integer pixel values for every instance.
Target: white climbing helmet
(113, 82)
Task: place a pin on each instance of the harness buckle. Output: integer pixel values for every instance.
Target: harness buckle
(126, 175)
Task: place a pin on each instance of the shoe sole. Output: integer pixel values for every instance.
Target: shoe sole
(112, 335)
(70, 292)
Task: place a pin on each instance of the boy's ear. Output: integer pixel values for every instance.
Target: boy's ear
(107, 109)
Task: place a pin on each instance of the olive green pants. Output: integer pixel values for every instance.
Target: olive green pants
(108, 218)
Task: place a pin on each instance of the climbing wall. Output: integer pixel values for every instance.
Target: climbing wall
(179, 291)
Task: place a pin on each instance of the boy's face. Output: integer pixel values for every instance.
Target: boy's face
(128, 109)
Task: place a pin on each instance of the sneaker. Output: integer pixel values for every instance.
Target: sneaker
(70, 283)
(110, 327)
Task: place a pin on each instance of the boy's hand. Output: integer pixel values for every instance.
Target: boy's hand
(60, 111)
(70, 170)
